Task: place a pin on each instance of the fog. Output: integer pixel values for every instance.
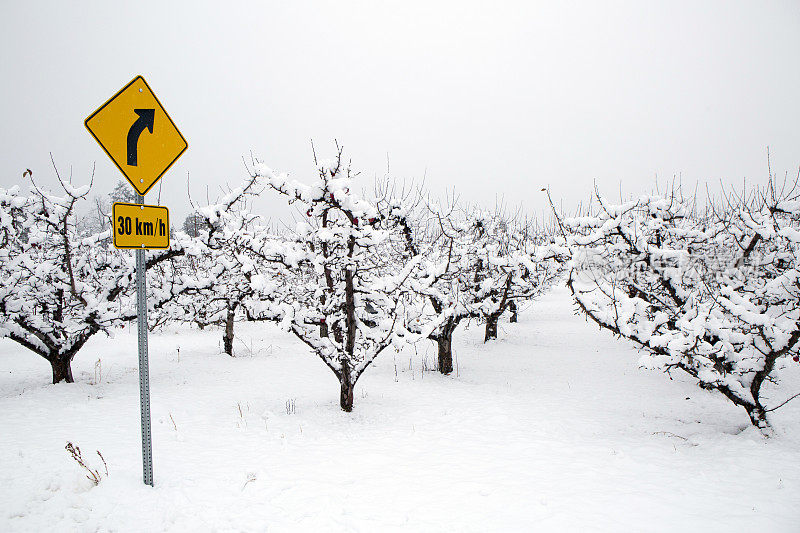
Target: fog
(494, 100)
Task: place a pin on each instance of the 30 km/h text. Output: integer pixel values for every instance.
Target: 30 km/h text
(143, 228)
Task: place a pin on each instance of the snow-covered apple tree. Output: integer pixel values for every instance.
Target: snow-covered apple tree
(338, 281)
(442, 240)
(711, 292)
(513, 263)
(472, 266)
(231, 235)
(60, 289)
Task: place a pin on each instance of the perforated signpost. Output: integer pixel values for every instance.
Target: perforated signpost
(138, 135)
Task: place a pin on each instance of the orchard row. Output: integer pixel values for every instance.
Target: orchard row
(710, 289)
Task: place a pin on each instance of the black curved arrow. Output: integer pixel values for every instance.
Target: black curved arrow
(145, 120)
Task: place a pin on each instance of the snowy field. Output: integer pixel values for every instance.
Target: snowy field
(551, 428)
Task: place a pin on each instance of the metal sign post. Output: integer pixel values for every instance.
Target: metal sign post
(144, 372)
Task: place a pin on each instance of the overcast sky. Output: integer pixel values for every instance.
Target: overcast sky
(496, 99)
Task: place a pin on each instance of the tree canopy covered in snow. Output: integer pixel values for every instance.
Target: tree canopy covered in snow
(60, 287)
(711, 291)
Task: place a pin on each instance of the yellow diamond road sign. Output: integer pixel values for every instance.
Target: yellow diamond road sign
(137, 134)
(140, 226)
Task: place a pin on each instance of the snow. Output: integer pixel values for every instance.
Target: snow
(551, 428)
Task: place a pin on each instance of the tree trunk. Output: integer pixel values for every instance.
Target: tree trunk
(227, 339)
(491, 328)
(323, 329)
(513, 308)
(58, 314)
(756, 412)
(758, 417)
(346, 392)
(61, 369)
(445, 344)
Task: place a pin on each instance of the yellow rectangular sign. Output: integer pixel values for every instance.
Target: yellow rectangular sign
(140, 226)
(136, 132)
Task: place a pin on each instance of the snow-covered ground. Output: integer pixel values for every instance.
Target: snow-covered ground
(551, 428)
